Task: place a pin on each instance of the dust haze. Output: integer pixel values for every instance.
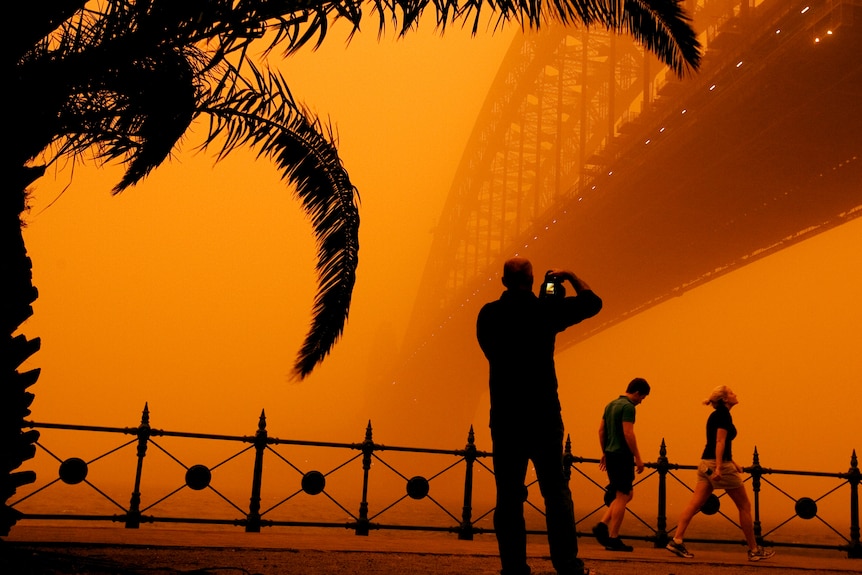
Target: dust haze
(192, 291)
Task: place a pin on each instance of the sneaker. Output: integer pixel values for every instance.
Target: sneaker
(679, 549)
(616, 544)
(760, 554)
(600, 530)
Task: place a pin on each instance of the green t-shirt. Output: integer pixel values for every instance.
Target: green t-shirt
(619, 410)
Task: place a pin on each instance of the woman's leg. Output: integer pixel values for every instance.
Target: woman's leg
(702, 491)
(746, 522)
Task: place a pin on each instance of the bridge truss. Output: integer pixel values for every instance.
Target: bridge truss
(590, 155)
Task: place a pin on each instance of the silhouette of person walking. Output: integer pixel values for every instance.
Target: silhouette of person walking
(517, 334)
(718, 470)
(620, 457)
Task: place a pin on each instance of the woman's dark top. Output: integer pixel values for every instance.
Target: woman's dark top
(719, 419)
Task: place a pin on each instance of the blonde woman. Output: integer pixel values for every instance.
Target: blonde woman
(717, 470)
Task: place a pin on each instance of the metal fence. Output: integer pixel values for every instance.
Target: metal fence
(262, 469)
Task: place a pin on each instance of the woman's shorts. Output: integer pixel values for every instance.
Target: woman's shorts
(730, 477)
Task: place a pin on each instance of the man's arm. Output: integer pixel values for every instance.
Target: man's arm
(631, 440)
(720, 441)
(602, 438)
(486, 331)
(585, 304)
(579, 284)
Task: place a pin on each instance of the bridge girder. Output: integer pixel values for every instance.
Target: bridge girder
(589, 155)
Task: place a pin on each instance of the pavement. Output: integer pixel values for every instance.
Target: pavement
(173, 550)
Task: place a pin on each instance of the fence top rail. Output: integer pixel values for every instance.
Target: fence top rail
(769, 471)
(155, 432)
(137, 431)
(853, 474)
(72, 427)
(458, 452)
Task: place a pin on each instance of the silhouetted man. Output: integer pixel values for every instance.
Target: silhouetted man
(517, 333)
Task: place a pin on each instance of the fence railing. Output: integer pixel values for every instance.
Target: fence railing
(367, 455)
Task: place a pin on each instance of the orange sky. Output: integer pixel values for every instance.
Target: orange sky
(783, 332)
(193, 290)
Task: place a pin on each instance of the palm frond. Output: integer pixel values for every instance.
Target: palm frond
(663, 27)
(165, 100)
(310, 160)
(265, 117)
(30, 22)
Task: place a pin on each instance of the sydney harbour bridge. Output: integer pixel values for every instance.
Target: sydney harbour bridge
(590, 155)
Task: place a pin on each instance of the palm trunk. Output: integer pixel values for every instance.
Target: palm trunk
(16, 445)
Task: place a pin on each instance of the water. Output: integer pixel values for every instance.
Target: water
(83, 499)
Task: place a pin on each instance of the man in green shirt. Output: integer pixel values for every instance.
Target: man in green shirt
(620, 457)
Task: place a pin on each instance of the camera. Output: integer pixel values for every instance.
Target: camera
(552, 286)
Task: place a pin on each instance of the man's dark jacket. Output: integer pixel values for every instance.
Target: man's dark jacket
(517, 334)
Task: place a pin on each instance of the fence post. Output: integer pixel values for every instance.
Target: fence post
(756, 472)
(466, 530)
(661, 536)
(133, 517)
(367, 450)
(568, 458)
(854, 549)
(252, 524)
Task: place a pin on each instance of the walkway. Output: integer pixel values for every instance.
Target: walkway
(113, 550)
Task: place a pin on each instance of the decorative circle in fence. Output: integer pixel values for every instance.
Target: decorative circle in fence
(73, 470)
(417, 487)
(198, 477)
(806, 508)
(711, 506)
(313, 482)
(76, 470)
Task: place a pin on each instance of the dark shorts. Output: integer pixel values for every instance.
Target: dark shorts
(621, 472)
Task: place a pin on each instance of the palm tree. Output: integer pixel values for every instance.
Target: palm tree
(122, 80)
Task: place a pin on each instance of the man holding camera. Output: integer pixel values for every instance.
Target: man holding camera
(517, 334)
